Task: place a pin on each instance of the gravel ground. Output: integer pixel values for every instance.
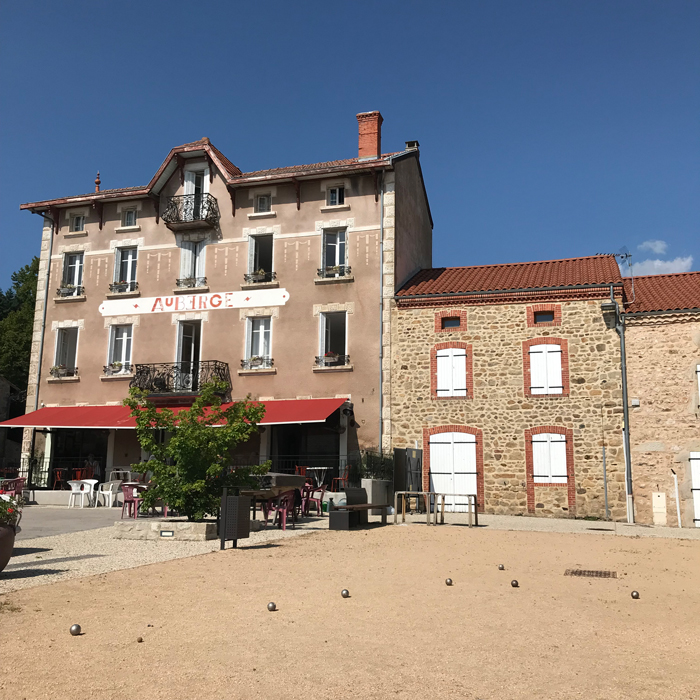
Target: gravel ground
(199, 627)
(43, 560)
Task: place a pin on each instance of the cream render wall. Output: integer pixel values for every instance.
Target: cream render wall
(502, 412)
(663, 353)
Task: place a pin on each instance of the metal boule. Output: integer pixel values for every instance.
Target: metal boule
(75, 630)
(139, 639)
(345, 593)
(271, 607)
(448, 581)
(501, 567)
(635, 595)
(514, 583)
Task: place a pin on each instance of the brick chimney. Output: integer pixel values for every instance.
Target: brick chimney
(370, 142)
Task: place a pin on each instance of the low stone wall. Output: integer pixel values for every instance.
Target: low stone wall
(164, 529)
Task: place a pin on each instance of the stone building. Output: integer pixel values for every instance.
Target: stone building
(509, 380)
(277, 281)
(662, 322)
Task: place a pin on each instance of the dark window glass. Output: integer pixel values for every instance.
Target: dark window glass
(544, 316)
(451, 322)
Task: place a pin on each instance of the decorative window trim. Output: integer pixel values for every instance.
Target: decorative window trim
(328, 184)
(564, 345)
(348, 307)
(433, 372)
(190, 316)
(531, 310)
(122, 321)
(320, 226)
(126, 243)
(77, 212)
(570, 484)
(272, 312)
(78, 323)
(248, 233)
(478, 433)
(133, 204)
(451, 313)
(73, 248)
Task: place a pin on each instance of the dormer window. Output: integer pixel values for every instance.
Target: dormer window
(335, 196)
(77, 222)
(263, 203)
(129, 217)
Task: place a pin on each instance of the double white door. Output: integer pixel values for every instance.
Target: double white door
(453, 468)
(695, 475)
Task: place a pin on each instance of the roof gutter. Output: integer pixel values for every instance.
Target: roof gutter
(662, 312)
(517, 290)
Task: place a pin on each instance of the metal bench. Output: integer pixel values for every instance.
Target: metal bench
(354, 511)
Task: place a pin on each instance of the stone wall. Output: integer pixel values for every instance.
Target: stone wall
(663, 353)
(498, 410)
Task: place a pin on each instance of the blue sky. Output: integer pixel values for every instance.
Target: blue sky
(547, 128)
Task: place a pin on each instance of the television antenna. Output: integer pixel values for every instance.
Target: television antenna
(624, 256)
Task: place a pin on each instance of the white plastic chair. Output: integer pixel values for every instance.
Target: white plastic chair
(122, 474)
(108, 491)
(77, 488)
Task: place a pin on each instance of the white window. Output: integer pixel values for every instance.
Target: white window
(453, 468)
(451, 372)
(192, 264)
(77, 222)
(334, 251)
(545, 369)
(120, 348)
(334, 334)
(260, 256)
(259, 338)
(695, 485)
(263, 203)
(67, 350)
(336, 196)
(549, 458)
(129, 217)
(72, 274)
(125, 272)
(196, 203)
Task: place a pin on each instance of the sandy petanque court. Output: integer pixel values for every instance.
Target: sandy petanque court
(403, 633)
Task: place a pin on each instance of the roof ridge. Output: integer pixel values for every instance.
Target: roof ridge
(525, 262)
(664, 274)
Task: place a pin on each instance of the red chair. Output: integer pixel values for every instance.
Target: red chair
(341, 480)
(283, 505)
(12, 487)
(300, 471)
(59, 477)
(132, 501)
(313, 496)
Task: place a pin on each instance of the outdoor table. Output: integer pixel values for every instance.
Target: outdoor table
(262, 495)
(320, 474)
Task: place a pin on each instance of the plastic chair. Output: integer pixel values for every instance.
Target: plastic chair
(121, 474)
(315, 497)
(283, 506)
(59, 477)
(77, 489)
(300, 471)
(131, 501)
(338, 480)
(89, 486)
(108, 491)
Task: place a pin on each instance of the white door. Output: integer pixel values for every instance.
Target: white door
(695, 475)
(453, 468)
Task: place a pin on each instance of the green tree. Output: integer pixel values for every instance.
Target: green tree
(191, 468)
(16, 324)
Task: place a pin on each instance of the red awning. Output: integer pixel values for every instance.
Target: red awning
(106, 417)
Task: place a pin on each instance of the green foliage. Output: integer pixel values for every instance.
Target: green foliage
(191, 468)
(10, 510)
(16, 324)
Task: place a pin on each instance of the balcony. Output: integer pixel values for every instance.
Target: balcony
(117, 368)
(70, 290)
(191, 283)
(257, 362)
(331, 359)
(259, 277)
(188, 211)
(123, 287)
(334, 271)
(179, 379)
(61, 373)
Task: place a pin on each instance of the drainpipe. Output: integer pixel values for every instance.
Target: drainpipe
(620, 328)
(381, 308)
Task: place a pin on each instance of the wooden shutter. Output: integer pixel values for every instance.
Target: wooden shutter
(541, 471)
(538, 369)
(444, 372)
(695, 485)
(189, 181)
(459, 372)
(187, 259)
(554, 377)
(557, 458)
(441, 466)
(198, 251)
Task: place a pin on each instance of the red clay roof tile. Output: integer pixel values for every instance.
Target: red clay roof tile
(675, 292)
(594, 269)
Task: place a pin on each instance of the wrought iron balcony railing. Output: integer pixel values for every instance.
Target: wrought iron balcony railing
(257, 362)
(332, 360)
(259, 276)
(117, 368)
(123, 287)
(334, 271)
(70, 290)
(179, 377)
(59, 371)
(191, 211)
(191, 282)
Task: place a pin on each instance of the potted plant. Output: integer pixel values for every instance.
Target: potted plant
(10, 515)
(58, 371)
(330, 357)
(256, 360)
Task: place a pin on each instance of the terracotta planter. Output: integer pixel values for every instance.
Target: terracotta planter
(7, 542)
